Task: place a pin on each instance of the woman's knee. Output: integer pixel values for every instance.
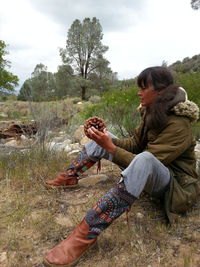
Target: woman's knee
(95, 152)
(145, 157)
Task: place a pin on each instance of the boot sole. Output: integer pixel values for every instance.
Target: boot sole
(47, 264)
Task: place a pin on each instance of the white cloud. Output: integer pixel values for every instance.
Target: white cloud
(32, 37)
(139, 33)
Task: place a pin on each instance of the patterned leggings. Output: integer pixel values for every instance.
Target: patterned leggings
(109, 207)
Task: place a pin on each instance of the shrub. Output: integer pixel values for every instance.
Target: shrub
(190, 81)
(118, 109)
(95, 99)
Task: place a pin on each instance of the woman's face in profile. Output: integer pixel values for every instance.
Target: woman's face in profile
(147, 95)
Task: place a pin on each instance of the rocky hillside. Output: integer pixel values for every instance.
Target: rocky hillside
(187, 64)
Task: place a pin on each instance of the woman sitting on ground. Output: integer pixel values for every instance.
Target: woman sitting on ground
(158, 159)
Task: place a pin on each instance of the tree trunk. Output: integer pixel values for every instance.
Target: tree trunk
(83, 93)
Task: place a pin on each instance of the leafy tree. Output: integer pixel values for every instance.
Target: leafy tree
(7, 80)
(64, 81)
(40, 87)
(195, 4)
(25, 91)
(84, 50)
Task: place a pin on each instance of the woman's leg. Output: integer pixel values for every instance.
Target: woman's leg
(69, 177)
(90, 154)
(109, 207)
(144, 173)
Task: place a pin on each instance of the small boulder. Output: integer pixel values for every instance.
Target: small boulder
(93, 179)
(84, 140)
(3, 259)
(79, 133)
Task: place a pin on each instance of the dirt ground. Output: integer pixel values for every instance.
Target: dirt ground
(33, 219)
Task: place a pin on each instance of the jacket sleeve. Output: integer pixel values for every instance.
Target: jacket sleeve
(122, 157)
(172, 141)
(126, 149)
(129, 144)
(167, 146)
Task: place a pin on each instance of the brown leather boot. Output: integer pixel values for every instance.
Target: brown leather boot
(69, 178)
(64, 179)
(71, 249)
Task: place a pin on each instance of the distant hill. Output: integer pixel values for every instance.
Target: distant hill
(186, 65)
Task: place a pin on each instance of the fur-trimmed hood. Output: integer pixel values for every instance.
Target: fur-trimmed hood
(177, 104)
(188, 109)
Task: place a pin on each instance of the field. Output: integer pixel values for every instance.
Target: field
(34, 218)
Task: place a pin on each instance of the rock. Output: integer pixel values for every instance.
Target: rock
(197, 147)
(197, 153)
(93, 179)
(75, 146)
(19, 142)
(3, 115)
(139, 215)
(3, 258)
(67, 148)
(55, 146)
(197, 150)
(7, 150)
(51, 145)
(23, 137)
(79, 133)
(64, 146)
(12, 143)
(73, 152)
(71, 147)
(62, 139)
(84, 140)
(67, 142)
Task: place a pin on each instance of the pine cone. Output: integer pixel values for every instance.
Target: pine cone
(96, 122)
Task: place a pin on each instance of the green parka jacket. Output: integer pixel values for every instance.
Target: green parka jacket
(174, 147)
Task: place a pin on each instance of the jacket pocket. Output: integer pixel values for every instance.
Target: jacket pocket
(184, 194)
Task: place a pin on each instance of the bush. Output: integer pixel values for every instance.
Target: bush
(190, 81)
(76, 100)
(118, 109)
(95, 99)
(196, 130)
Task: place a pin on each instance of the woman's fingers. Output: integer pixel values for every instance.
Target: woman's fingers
(93, 130)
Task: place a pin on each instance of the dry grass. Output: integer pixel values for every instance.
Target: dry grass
(10, 110)
(33, 219)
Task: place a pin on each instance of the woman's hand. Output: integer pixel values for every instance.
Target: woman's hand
(102, 139)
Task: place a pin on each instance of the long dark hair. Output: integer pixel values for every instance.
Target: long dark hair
(159, 77)
(162, 80)
(156, 115)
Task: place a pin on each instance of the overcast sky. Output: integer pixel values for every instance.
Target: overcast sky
(139, 33)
